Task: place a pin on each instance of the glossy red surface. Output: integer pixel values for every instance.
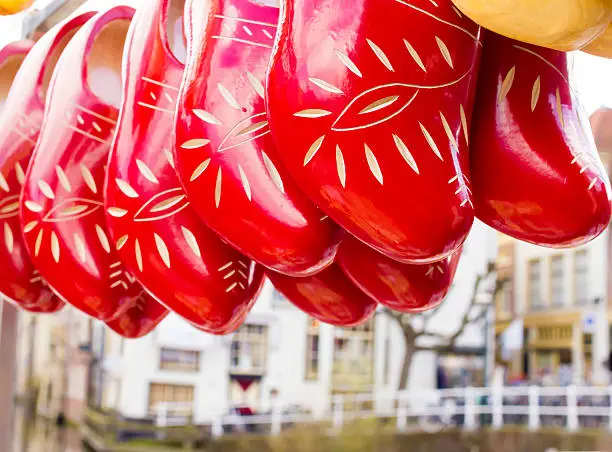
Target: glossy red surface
(62, 206)
(328, 296)
(536, 172)
(20, 122)
(370, 107)
(37, 298)
(181, 262)
(140, 319)
(225, 155)
(402, 287)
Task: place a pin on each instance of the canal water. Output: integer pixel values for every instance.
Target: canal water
(43, 436)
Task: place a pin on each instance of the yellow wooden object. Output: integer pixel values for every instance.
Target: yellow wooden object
(558, 24)
(13, 6)
(602, 46)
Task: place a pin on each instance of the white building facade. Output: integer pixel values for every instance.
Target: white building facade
(562, 297)
(281, 355)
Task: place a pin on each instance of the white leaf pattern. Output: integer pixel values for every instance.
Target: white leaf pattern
(191, 240)
(126, 188)
(405, 153)
(273, 172)
(373, 164)
(207, 117)
(146, 171)
(162, 249)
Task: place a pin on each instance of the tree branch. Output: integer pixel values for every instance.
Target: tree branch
(448, 342)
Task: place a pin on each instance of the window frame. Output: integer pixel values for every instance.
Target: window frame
(312, 356)
(242, 338)
(556, 258)
(575, 294)
(530, 284)
(172, 387)
(179, 366)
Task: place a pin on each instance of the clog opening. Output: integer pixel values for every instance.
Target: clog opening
(49, 66)
(8, 70)
(175, 33)
(104, 62)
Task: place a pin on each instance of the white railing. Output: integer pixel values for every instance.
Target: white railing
(571, 407)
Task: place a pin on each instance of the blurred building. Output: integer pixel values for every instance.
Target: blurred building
(561, 296)
(68, 361)
(279, 354)
(53, 362)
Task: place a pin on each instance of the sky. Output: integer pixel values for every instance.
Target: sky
(592, 80)
(591, 76)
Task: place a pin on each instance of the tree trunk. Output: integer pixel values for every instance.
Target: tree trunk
(410, 345)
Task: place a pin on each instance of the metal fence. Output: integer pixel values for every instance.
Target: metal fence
(571, 407)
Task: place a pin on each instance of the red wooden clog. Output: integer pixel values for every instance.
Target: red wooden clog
(159, 237)
(20, 122)
(62, 212)
(328, 296)
(140, 319)
(370, 107)
(12, 57)
(225, 155)
(401, 287)
(536, 172)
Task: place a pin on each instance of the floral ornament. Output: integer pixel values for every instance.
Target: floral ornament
(69, 209)
(161, 206)
(248, 129)
(380, 104)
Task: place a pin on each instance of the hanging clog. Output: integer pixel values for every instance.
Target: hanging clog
(12, 57)
(370, 107)
(159, 237)
(8, 7)
(20, 122)
(328, 296)
(140, 319)
(225, 155)
(536, 172)
(62, 210)
(400, 287)
(558, 24)
(602, 46)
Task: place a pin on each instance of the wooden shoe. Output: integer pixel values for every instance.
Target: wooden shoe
(225, 155)
(159, 237)
(140, 319)
(370, 107)
(558, 24)
(400, 287)
(20, 122)
(328, 296)
(602, 46)
(62, 210)
(8, 7)
(536, 172)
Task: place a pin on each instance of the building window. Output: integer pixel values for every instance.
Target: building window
(179, 398)
(534, 276)
(180, 360)
(312, 350)
(581, 274)
(249, 350)
(504, 298)
(387, 363)
(556, 280)
(353, 369)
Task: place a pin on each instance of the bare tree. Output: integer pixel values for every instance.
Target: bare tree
(413, 330)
